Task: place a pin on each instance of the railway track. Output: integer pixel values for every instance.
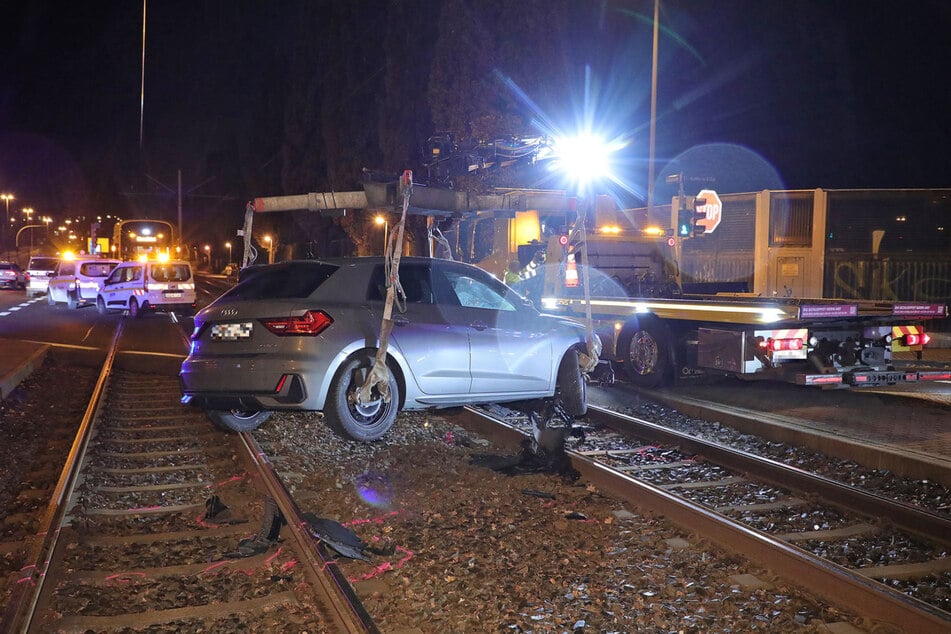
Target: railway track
(796, 523)
(159, 521)
(136, 521)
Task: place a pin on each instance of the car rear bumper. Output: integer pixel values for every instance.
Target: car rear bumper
(291, 395)
(254, 382)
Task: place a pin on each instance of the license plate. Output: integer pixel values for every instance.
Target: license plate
(173, 295)
(231, 332)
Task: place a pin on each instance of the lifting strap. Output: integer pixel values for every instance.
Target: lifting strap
(379, 376)
(589, 359)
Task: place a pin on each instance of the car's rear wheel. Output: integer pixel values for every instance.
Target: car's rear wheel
(238, 420)
(134, 310)
(360, 421)
(101, 305)
(49, 298)
(72, 302)
(572, 391)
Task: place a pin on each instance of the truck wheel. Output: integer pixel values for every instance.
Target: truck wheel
(647, 355)
(365, 422)
(238, 420)
(572, 390)
(71, 301)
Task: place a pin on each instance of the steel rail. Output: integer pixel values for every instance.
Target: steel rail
(345, 607)
(789, 430)
(19, 612)
(840, 586)
(913, 519)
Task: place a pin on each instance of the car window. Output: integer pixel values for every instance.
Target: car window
(115, 276)
(66, 268)
(474, 293)
(136, 273)
(95, 269)
(283, 281)
(415, 280)
(42, 264)
(171, 272)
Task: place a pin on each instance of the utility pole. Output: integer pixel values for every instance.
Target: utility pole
(653, 126)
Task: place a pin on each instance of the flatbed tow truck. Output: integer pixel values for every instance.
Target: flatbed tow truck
(632, 297)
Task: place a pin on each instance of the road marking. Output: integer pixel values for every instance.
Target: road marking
(13, 309)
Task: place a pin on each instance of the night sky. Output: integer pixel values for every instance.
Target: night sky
(752, 94)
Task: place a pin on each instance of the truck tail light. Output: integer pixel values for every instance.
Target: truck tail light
(311, 323)
(915, 339)
(782, 344)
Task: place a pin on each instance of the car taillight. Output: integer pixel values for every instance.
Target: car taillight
(311, 323)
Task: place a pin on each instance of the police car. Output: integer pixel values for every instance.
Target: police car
(138, 287)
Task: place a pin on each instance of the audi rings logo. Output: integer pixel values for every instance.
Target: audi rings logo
(229, 312)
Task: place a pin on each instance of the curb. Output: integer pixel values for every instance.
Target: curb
(22, 369)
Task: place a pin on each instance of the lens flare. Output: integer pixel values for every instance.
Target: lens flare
(375, 489)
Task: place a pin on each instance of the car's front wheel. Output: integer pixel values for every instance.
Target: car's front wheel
(101, 306)
(238, 420)
(49, 298)
(134, 309)
(572, 391)
(72, 301)
(366, 421)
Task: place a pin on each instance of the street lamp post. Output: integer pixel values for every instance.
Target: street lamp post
(228, 244)
(208, 254)
(380, 220)
(270, 250)
(6, 198)
(28, 212)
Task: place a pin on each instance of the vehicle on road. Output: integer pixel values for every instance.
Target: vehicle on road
(141, 287)
(303, 335)
(39, 271)
(76, 281)
(12, 276)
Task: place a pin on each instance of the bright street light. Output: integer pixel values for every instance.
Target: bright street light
(381, 220)
(270, 250)
(228, 244)
(586, 158)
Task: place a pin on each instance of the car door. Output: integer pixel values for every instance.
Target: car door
(510, 352)
(64, 277)
(111, 287)
(435, 348)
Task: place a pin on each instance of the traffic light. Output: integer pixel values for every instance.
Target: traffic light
(696, 215)
(685, 219)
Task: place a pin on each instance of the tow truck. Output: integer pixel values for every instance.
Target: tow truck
(651, 327)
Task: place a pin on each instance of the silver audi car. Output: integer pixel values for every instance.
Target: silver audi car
(303, 335)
